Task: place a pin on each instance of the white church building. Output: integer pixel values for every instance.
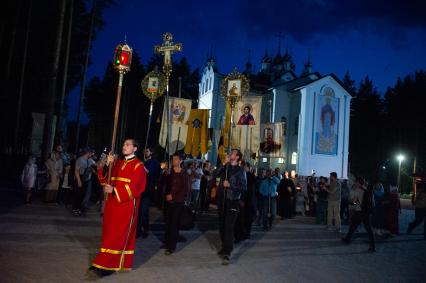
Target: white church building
(315, 110)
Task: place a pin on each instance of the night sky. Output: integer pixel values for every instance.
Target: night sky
(378, 38)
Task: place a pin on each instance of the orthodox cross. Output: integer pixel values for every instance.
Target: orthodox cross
(167, 49)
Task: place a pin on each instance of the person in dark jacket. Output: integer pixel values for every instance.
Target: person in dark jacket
(249, 201)
(419, 201)
(286, 190)
(152, 168)
(177, 188)
(361, 199)
(232, 185)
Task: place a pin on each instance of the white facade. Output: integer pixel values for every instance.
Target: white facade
(210, 98)
(308, 161)
(297, 102)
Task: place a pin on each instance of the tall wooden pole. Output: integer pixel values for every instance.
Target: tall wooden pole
(116, 115)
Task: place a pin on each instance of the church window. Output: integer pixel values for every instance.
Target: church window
(293, 158)
(296, 126)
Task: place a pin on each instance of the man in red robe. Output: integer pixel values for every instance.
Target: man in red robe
(128, 178)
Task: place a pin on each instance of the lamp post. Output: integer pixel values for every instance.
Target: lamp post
(400, 158)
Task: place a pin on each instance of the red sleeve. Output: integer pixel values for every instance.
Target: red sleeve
(127, 191)
(101, 177)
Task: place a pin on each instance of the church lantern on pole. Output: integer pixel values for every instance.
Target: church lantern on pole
(122, 58)
(122, 62)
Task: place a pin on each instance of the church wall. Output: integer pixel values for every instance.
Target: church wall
(310, 156)
(284, 111)
(293, 132)
(210, 98)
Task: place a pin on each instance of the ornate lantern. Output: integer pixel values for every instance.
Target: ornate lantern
(123, 58)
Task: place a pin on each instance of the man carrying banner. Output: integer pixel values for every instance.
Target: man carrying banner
(232, 184)
(128, 178)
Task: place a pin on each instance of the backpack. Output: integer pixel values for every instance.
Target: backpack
(368, 203)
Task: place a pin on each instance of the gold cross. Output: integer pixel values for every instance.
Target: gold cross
(167, 49)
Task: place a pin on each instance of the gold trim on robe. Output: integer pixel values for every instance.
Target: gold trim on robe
(110, 268)
(128, 191)
(116, 194)
(125, 180)
(117, 252)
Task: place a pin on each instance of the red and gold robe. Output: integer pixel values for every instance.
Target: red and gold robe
(128, 177)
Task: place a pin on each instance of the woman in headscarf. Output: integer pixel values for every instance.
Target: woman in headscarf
(54, 166)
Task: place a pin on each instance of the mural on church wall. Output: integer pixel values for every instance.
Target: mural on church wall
(326, 122)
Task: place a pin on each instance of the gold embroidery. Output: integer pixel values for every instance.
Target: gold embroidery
(109, 268)
(128, 191)
(125, 163)
(130, 229)
(137, 165)
(116, 194)
(116, 252)
(125, 180)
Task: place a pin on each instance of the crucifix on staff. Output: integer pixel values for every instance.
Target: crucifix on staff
(167, 49)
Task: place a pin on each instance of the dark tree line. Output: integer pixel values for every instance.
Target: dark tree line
(382, 127)
(40, 33)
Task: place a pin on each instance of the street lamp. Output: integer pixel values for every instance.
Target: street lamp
(400, 158)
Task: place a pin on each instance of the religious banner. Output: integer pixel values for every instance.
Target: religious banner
(224, 137)
(198, 132)
(272, 140)
(247, 125)
(178, 110)
(326, 122)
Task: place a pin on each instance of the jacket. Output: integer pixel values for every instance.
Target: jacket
(268, 187)
(236, 176)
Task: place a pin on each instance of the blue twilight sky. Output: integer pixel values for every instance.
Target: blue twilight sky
(379, 38)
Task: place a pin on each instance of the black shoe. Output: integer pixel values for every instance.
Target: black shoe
(371, 250)
(99, 272)
(168, 252)
(181, 239)
(346, 241)
(221, 253)
(225, 260)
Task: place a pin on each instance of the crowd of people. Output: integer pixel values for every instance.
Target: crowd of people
(243, 196)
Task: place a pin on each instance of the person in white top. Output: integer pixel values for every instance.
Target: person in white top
(28, 177)
(196, 172)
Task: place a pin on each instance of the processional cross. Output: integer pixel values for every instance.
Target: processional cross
(167, 49)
